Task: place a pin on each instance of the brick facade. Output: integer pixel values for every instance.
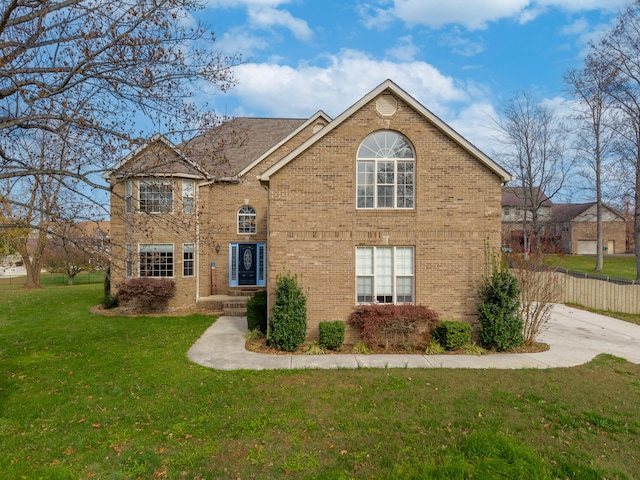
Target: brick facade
(304, 192)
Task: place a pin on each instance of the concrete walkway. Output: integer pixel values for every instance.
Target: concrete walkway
(574, 336)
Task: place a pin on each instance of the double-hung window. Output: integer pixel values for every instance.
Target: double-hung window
(128, 195)
(188, 194)
(188, 257)
(156, 260)
(156, 196)
(384, 274)
(386, 171)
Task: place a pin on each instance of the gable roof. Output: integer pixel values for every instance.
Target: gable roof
(389, 85)
(232, 147)
(566, 212)
(318, 115)
(515, 197)
(164, 141)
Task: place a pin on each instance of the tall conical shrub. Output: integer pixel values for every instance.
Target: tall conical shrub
(500, 321)
(288, 322)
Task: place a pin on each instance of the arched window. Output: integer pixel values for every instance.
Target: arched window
(246, 220)
(386, 166)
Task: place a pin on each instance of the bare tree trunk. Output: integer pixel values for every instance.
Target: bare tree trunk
(636, 217)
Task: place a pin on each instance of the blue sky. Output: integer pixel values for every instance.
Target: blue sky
(461, 58)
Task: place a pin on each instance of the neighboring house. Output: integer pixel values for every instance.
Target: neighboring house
(575, 226)
(566, 228)
(517, 216)
(383, 204)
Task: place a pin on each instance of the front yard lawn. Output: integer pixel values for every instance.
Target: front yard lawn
(85, 396)
(624, 267)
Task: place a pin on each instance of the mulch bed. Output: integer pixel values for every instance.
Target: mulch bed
(260, 346)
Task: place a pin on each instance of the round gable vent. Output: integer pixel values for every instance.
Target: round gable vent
(387, 105)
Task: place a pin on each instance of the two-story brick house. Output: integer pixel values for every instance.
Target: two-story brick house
(385, 203)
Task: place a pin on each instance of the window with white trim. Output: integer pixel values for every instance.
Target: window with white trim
(385, 173)
(156, 260)
(188, 195)
(129, 261)
(156, 196)
(128, 195)
(247, 220)
(188, 259)
(384, 274)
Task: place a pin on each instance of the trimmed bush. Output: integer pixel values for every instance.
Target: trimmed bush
(500, 321)
(109, 301)
(257, 312)
(288, 323)
(452, 335)
(332, 335)
(147, 292)
(107, 283)
(400, 326)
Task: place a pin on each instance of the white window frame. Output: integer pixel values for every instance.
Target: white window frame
(386, 172)
(161, 250)
(247, 220)
(129, 261)
(188, 259)
(385, 275)
(128, 195)
(157, 203)
(188, 196)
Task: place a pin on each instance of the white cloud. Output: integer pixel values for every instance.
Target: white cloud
(265, 14)
(266, 17)
(461, 45)
(239, 40)
(476, 14)
(405, 51)
(277, 90)
(473, 14)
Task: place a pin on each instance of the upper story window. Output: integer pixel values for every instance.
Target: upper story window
(128, 195)
(156, 196)
(386, 166)
(246, 220)
(188, 194)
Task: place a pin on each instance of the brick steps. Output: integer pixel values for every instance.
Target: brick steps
(234, 304)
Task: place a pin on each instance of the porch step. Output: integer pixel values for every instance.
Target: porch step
(243, 291)
(233, 305)
(237, 307)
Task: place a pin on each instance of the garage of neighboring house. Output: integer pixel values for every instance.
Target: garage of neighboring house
(590, 247)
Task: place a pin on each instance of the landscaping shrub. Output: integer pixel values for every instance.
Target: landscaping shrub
(288, 323)
(332, 335)
(257, 312)
(107, 282)
(500, 321)
(146, 292)
(452, 335)
(399, 326)
(109, 301)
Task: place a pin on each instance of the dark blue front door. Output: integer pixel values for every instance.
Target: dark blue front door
(247, 263)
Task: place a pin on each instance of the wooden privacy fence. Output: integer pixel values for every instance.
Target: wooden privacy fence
(602, 293)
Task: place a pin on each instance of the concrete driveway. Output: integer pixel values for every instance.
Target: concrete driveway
(574, 336)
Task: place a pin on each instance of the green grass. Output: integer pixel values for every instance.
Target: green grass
(84, 396)
(624, 267)
(48, 280)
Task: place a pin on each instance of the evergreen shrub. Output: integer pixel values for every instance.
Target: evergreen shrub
(452, 335)
(257, 312)
(332, 335)
(288, 323)
(501, 326)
